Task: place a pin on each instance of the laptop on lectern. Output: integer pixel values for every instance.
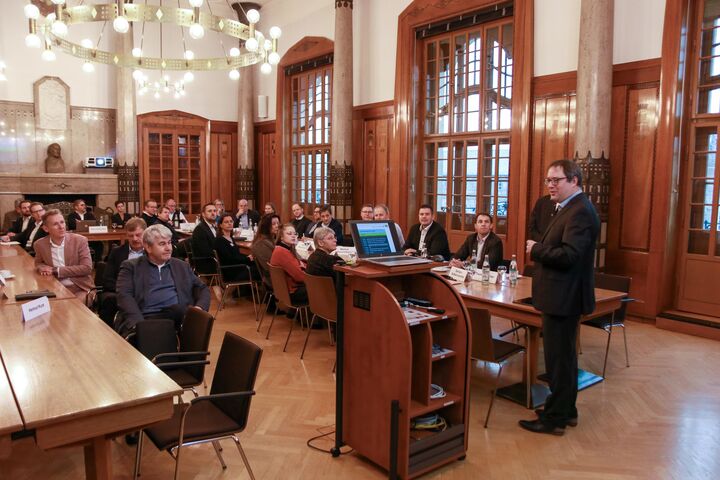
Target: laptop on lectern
(83, 225)
(376, 242)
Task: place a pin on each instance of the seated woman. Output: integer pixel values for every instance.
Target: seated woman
(229, 253)
(284, 256)
(269, 209)
(321, 261)
(264, 243)
(120, 218)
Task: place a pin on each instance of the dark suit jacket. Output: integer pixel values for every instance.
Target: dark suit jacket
(334, 225)
(253, 216)
(150, 220)
(301, 226)
(175, 237)
(119, 221)
(321, 263)
(74, 217)
(203, 247)
(563, 281)
(493, 247)
(436, 240)
(22, 238)
(540, 217)
(17, 225)
(132, 285)
(112, 266)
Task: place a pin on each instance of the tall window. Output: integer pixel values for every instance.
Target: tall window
(311, 100)
(466, 124)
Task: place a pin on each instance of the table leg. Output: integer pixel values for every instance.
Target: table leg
(98, 459)
(528, 393)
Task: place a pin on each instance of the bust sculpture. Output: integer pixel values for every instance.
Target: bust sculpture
(54, 162)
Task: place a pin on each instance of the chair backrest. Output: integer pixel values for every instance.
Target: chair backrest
(236, 371)
(263, 273)
(528, 270)
(195, 337)
(321, 295)
(155, 336)
(482, 347)
(618, 283)
(99, 272)
(279, 285)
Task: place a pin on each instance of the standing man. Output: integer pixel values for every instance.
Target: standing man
(176, 216)
(203, 240)
(80, 213)
(428, 235)
(245, 216)
(540, 217)
(149, 213)
(64, 255)
(299, 220)
(563, 288)
(483, 241)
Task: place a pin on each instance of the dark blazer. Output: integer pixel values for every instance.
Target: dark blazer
(17, 225)
(253, 216)
(493, 247)
(301, 226)
(435, 240)
(149, 219)
(203, 247)
(540, 217)
(321, 263)
(22, 238)
(229, 254)
(119, 221)
(563, 281)
(74, 217)
(112, 266)
(334, 225)
(132, 285)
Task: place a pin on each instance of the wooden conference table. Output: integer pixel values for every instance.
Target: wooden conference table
(506, 302)
(74, 381)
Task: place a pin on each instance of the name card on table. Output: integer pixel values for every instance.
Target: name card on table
(35, 308)
(478, 277)
(98, 229)
(349, 254)
(458, 274)
(304, 249)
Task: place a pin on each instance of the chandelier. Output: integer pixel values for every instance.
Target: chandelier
(50, 32)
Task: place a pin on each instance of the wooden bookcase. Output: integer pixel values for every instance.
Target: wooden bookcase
(387, 358)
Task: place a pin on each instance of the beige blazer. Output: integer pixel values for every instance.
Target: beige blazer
(78, 264)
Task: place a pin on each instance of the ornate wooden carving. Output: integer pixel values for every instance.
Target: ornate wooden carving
(596, 181)
(245, 178)
(340, 183)
(128, 183)
(344, 3)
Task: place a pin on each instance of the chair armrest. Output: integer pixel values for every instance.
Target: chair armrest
(217, 396)
(194, 363)
(179, 354)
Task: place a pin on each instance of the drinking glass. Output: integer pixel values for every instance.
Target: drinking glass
(114, 226)
(501, 270)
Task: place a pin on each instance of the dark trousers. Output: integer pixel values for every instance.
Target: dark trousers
(108, 307)
(559, 343)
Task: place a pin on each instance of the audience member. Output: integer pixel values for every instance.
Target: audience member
(427, 237)
(366, 212)
(203, 240)
(133, 248)
(80, 213)
(299, 220)
(155, 285)
(382, 212)
(23, 221)
(327, 220)
(322, 260)
(120, 217)
(163, 218)
(229, 254)
(34, 232)
(64, 255)
(176, 215)
(149, 213)
(264, 243)
(315, 222)
(270, 209)
(220, 207)
(483, 241)
(245, 216)
(12, 215)
(284, 256)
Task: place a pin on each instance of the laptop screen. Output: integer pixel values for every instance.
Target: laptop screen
(375, 238)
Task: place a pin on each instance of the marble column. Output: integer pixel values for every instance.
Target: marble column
(126, 155)
(245, 175)
(340, 181)
(593, 104)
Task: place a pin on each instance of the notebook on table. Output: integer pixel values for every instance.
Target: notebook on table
(376, 242)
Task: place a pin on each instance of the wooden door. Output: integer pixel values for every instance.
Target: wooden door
(266, 162)
(221, 168)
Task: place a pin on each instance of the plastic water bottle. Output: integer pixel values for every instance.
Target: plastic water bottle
(486, 270)
(513, 271)
(472, 262)
(101, 221)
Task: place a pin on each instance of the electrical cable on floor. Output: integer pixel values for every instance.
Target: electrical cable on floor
(323, 435)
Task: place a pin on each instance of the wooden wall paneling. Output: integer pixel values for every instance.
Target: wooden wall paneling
(223, 161)
(266, 164)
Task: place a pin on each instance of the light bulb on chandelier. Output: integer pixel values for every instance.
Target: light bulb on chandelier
(121, 24)
(88, 67)
(32, 40)
(137, 52)
(196, 3)
(234, 74)
(48, 55)
(274, 58)
(59, 28)
(251, 44)
(266, 68)
(86, 43)
(234, 52)
(189, 55)
(138, 75)
(196, 31)
(253, 16)
(188, 77)
(31, 12)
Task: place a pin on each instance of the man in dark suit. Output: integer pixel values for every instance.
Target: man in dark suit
(23, 221)
(156, 285)
(132, 248)
(203, 240)
(540, 217)
(327, 221)
(483, 241)
(80, 213)
(563, 289)
(428, 235)
(34, 231)
(149, 213)
(244, 217)
(299, 220)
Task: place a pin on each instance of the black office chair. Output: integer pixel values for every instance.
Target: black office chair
(210, 418)
(615, 319)
(93, 300)
(228, 283)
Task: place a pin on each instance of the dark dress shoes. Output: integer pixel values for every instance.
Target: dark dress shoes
(538, 426)
(571, 422)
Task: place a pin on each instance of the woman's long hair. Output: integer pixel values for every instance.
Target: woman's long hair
(265, 229)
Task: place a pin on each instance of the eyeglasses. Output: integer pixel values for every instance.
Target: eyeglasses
(554, 180)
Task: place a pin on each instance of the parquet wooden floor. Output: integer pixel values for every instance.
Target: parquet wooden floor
(658, 419)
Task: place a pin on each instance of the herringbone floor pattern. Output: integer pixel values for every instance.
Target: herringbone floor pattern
(658, 419)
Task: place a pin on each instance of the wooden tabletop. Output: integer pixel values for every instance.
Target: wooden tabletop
(22, 265)
(11, 250)
(10, 420)
(75, 379)
(111, 235)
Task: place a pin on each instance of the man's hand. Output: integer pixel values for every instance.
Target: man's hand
(410, 251)
(456, 263)
(45, 269)
(529, 245)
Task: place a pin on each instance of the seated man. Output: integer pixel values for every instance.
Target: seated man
(299, 220)
(64, 255)
(327, 220)
(80, 213)
(483, 242)
(245, 216)
(203, 240)
(321, 261)
(314, 223)
(11, 216)
(149, 213)
(156, 285)
(382, 212)
(163, 218)
(427, 237)
(366, 212)
(23, 221)
(34, 231)
(133, 248)
(176, 215)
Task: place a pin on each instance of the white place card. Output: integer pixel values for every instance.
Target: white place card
(478, 277)
(35, 308)
(303, 249)
(458, 274)
(349, 254)
(98, 229)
